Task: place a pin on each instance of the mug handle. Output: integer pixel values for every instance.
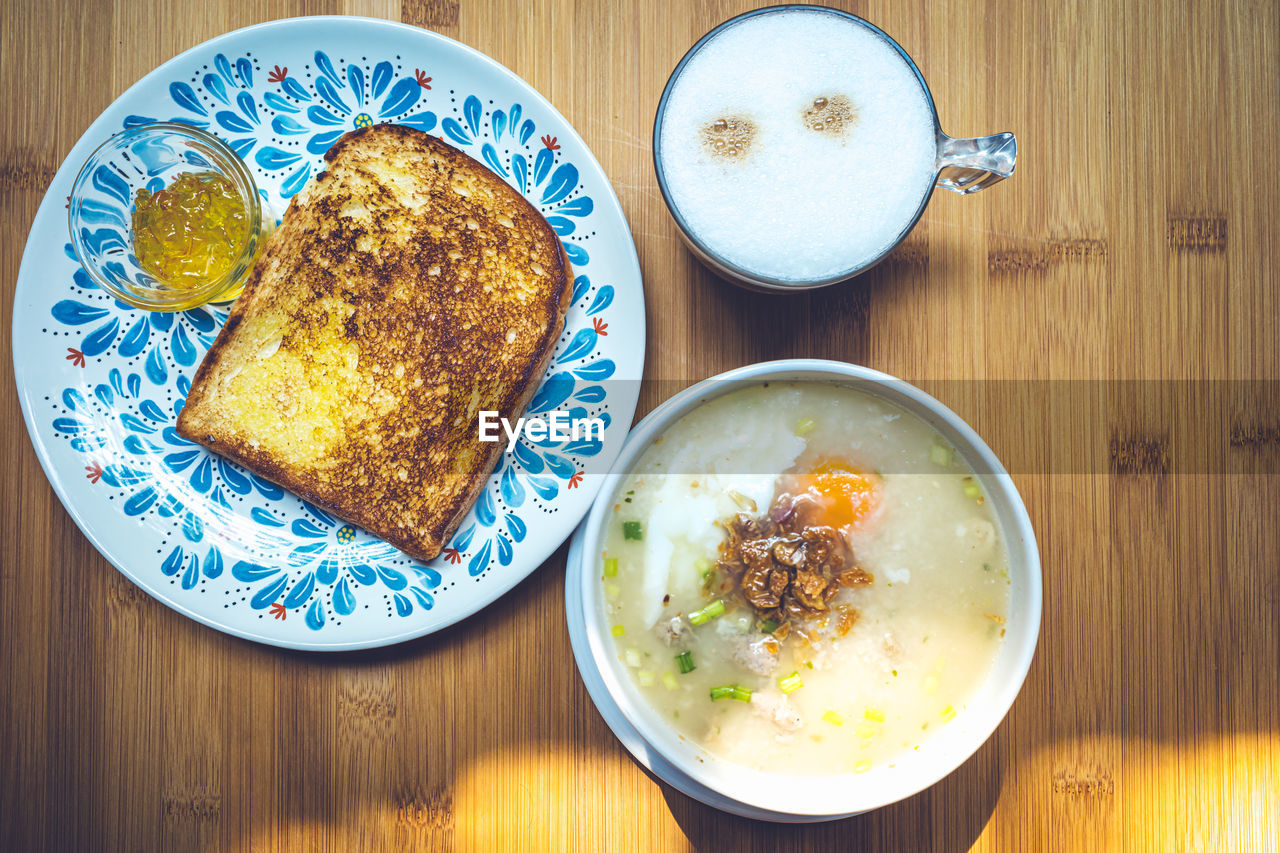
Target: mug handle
(968, 165)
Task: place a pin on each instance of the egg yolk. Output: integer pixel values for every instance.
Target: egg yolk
(847, 495)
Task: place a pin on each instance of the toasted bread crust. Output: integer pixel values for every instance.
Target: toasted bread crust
(406, 289)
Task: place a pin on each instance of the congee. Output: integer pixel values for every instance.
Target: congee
(804, 579)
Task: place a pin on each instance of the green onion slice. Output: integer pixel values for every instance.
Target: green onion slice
(684, 661)
(731, 691)
(706, 614)
(632, 530)
(611, 567)
(790, 683)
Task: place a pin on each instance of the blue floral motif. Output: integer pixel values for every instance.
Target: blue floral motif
(327, 574)
(90, 419)
(125, 426)
(164, 341)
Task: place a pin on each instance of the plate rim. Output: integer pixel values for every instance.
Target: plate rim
(28, 265)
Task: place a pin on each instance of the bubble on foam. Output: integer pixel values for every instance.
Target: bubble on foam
(841, 144)
(728, 138)
(833, 116)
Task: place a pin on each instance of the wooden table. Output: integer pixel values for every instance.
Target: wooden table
(1138, 241)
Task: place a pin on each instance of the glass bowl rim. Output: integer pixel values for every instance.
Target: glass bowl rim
(225, 161)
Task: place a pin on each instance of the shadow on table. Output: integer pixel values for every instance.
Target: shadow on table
(950, 815)
(834, 322)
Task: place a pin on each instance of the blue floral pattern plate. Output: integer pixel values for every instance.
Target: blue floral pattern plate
(101, 383)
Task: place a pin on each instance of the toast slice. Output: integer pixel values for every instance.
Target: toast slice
(407, 289)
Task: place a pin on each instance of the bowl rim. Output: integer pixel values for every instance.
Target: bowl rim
(727, 268)
(813, 797)
(153, 299)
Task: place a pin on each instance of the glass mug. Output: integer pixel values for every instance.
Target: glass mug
(961, 165)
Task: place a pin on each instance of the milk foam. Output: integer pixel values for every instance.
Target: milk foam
(797, 203)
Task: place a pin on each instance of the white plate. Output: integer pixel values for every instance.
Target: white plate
(100, 382)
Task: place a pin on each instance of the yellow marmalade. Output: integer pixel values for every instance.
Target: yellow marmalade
(192, 232)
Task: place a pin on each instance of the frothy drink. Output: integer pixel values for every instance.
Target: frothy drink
(797, 145)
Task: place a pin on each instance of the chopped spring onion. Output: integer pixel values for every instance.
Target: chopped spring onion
(611, 567)
(704, 566)
(669, 680)
(862, 766)
(618, 630)
(768, 626)
(633, 658)
(706, 614)
(948, 713)
(940, 456)
(612, 591)
(805, 426)
(874, 715)
(972, 490)
(834, 718)
(790, 683)
(732, 691)
(866, 731)
(684, 661)
(645, 677)
(632, 530)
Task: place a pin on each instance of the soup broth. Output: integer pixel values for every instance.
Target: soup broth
(803, 578)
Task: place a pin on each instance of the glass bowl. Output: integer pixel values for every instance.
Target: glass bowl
(151, 156)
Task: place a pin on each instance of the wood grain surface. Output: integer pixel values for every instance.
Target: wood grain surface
(1107, 319)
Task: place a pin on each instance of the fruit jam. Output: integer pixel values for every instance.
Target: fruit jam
(192, 232)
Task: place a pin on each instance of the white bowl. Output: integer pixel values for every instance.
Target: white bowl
(751, 793)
